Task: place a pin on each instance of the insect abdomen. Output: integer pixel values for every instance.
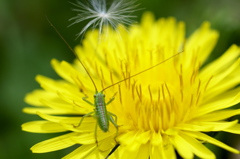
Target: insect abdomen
(101, 112)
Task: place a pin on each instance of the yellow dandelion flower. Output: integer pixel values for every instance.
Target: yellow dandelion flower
(165, 110)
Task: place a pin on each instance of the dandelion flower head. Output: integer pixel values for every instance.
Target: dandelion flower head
(163, 111)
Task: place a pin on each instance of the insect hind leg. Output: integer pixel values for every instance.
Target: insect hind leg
(95, 134)
(114, 122)
(86, 115)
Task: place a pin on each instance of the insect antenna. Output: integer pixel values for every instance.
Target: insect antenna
(142, 71)
(72, 52)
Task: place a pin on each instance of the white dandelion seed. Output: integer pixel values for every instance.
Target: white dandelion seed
(100, 14)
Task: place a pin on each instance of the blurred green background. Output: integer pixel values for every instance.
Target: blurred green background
(28, 43)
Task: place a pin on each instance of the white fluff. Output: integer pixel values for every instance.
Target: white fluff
(99, 13)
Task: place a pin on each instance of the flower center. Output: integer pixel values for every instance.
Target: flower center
(164, 104)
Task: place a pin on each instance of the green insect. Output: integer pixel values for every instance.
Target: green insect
(100, 112)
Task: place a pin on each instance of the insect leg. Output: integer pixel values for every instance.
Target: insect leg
(114, 122)
(86, 115)
(111, 99)
(95, 134)
(85, 99)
